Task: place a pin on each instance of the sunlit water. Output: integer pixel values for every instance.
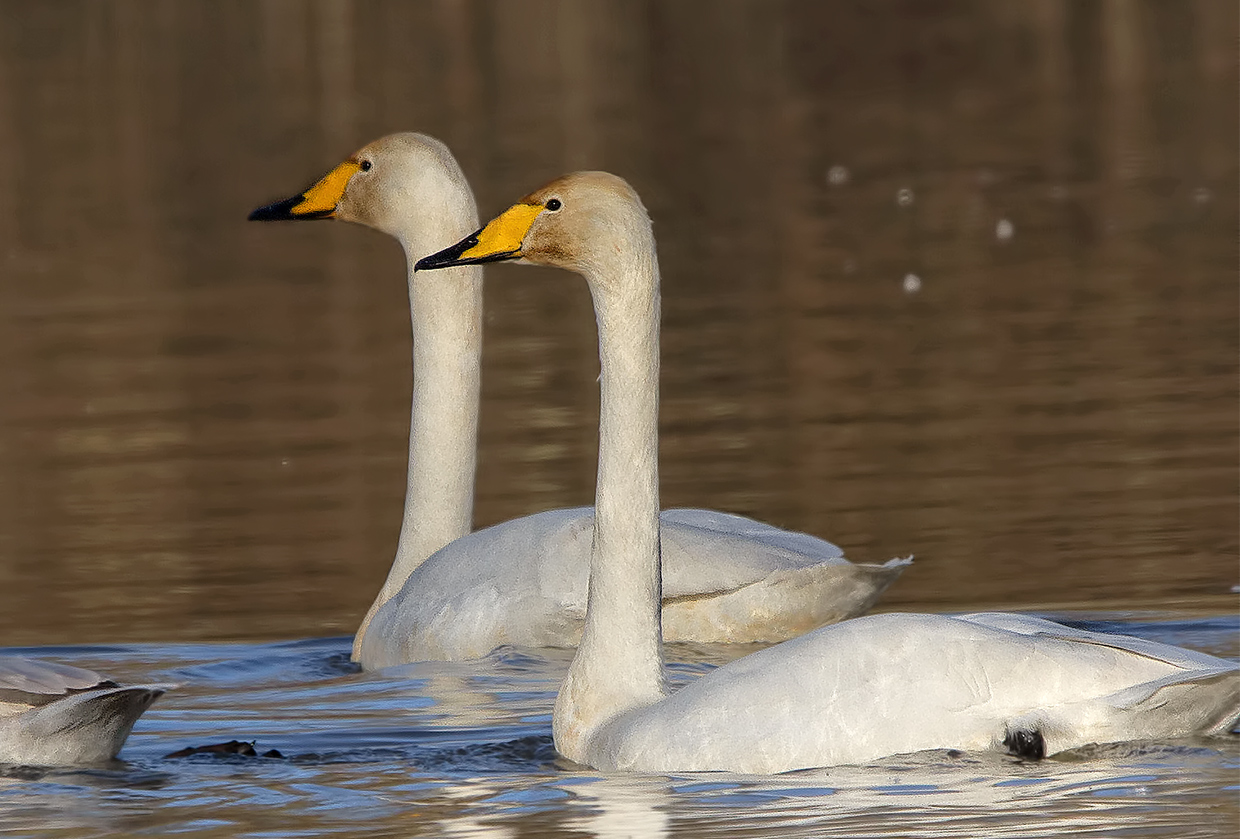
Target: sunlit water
(439, 749)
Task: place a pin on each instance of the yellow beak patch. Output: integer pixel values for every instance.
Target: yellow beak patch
(500, 239)
(504, 233)
(321, 199)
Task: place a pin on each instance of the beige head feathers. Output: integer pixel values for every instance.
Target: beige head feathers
(581, 222)
(379, 185)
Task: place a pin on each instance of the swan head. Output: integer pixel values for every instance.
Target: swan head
(396, 184)
(583, 222)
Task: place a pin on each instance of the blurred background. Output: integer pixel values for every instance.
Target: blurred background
(944, 278)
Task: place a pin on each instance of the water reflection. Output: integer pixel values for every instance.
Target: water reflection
(624, 808)
(201, 423)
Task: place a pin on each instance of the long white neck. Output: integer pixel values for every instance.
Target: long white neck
(619, 664)
(446, 312)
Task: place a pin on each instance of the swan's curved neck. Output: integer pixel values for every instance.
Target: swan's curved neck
(619, 664)
(446, 313)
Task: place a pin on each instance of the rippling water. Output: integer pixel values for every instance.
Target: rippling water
(943, 278)
(436, 749)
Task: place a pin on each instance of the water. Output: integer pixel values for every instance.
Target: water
(437, 749)
(949, 279)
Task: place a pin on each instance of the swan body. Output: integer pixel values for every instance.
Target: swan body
(725, 578)
(899, 683)
(847, 693)
(455, 596)
(55, 715)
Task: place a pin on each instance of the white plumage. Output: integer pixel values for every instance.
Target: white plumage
(848, 693)
(454, 596)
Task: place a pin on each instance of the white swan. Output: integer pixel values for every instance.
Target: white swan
(848, 693)
(455, 596)
(56, 715)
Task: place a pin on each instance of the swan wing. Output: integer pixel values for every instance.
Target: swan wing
(34, 681)
(706, 552)
(728, 578)
(1029, 625)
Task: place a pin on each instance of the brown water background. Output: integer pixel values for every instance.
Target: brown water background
(202, 421)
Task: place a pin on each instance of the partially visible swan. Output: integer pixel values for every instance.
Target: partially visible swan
(55, 715)
(849, 693)
(727, 578)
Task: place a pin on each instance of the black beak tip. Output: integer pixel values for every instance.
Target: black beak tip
(283, 211)
(448, 257)
(272, 212)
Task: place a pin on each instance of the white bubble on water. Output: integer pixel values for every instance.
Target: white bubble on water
(904, 197)
(1004, 230)
(837, 175)
(912, 283)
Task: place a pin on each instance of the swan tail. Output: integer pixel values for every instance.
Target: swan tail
(86, 727)
(1183, 704)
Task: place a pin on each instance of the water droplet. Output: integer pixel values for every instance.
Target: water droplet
(912, 283)
(837, 175)
(1004, 230)
(904, 197)
(1202, 195)
(284, 461)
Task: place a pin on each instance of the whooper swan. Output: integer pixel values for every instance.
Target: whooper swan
(454, 595)
(847, 693)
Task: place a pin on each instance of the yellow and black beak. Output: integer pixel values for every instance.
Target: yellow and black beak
(319, 201)
(501, 239)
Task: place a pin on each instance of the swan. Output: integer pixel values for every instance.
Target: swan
(848, 693)
(56, 715)
(452, 594)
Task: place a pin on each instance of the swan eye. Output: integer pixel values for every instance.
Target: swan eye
(366, 164)
(553, 204)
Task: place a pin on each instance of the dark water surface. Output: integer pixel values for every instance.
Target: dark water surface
(943, 278)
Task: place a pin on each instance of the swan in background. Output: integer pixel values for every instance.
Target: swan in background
(55, 715)
(452, 594)
(848, 693)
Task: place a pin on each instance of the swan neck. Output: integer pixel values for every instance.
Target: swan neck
(446, 316)
(619, 664)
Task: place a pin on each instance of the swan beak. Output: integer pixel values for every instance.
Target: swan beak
(500, 239)
(319, 201)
